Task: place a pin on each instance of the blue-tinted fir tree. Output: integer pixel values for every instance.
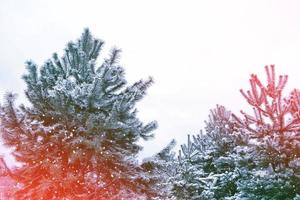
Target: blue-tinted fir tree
(78, 139)
(207, 164)
(162, 169)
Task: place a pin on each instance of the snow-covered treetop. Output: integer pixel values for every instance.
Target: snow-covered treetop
(272, 111)
(73, 90)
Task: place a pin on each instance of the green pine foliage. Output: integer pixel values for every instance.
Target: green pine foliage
(207, 167)
(162, 168)
(274, 132)
(251, 158)
(78, 139)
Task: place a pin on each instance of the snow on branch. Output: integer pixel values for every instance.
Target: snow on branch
(272, 112)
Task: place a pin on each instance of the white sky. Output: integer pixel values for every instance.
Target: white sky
(200, 53)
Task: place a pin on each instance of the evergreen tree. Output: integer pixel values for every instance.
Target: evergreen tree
(78, 139)
(255, 157)
(274, 132)
(162, 169)
(207, 165)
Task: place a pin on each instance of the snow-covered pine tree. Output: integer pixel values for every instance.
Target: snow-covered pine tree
(274, 132)
(185, 183)
(78, 139)
(207, 164)
(162, 169)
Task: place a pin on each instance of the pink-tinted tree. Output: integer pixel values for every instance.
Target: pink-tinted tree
(275, 124)
(268, 105)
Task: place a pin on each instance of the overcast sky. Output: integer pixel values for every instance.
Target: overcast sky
(200, 53)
